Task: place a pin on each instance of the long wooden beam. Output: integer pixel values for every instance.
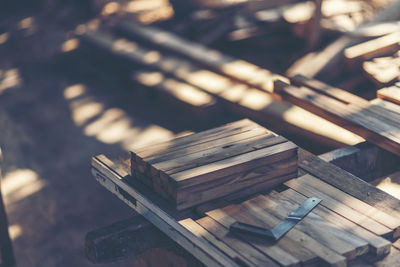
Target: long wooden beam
(383, 133)
(235, 96)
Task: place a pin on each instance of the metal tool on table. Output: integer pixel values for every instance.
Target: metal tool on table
(282, 228)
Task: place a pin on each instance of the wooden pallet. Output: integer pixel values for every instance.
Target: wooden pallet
(359, 218)
(238, 158)
(376, 124)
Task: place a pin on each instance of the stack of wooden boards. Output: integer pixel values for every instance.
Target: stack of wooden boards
(166, 61)
(239, 158)
(378, 58)
(351, 224)
(376, 123)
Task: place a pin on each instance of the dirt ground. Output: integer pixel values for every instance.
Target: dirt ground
(51, 124)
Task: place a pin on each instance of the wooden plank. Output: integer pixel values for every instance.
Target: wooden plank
(255, 104)
(297, 250)
(391, 94)
(226, 217)
(242, 247)
(202, 233)
(350, 117)
(217, 154)
(148, 153)
(234, 138)
(112, 177)
(341, 179)
(350, 201)
(235, 164)
(324, 88)
(217, 61)
(341, 95)
(336, 205)
(313, 225)
(373, 48)
(326, 255)
(378, 245)
(262, 178)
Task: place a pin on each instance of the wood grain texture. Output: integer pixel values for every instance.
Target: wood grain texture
(317, 227)
(350, 201)
(351, 117)
(339, 207)
(254, 103)
(231, 214)
(349, 184)
(377, 245)
(113, 176)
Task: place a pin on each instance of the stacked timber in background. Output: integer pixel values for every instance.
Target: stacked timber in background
(377, 124)
(378, 58)
(239, 86)
(239, 158)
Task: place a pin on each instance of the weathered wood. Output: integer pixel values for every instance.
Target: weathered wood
(235, 96)
(345, 97)
(227, 248)
(195, 159)
(345, 199)
(220, 170)
(113, 177)
(315, 226)
(333, 228)
(299, 238)
(231, 214)
(351, 117)
(302, 185)
(378, 245)
(358, 189)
